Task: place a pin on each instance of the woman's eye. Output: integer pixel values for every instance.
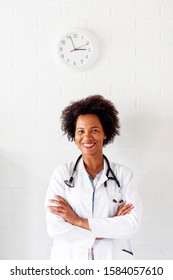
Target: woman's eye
(94, 130)
(80, 131)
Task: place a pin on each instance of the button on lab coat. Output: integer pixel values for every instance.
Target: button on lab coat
(110, 237)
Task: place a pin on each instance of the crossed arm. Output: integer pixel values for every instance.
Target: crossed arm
(64, 210)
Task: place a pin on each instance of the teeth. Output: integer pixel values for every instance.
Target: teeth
(88, 145)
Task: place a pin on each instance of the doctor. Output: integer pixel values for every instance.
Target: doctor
(93, 210)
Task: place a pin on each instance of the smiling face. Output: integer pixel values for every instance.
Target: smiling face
(89, 134)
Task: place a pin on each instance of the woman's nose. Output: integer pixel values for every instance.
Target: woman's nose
(88, 134)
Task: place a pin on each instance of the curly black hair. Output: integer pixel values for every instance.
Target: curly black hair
(94, 104)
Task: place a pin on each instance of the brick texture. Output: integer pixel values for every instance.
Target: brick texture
(134, 69)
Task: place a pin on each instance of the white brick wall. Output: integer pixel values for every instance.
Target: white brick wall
(135, 70)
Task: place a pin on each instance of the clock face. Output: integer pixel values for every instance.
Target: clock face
(77, 50)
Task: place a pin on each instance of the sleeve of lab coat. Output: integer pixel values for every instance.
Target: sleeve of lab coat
(57, 227)
(120, 227)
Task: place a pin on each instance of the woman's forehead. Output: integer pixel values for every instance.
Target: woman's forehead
(89, 119)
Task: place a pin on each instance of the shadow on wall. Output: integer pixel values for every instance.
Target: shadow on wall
(22, 214)
(153, 140)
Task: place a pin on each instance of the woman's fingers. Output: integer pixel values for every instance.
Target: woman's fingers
(124, 209)
(60, 198)
(59, 206)
(120, 208)
(122, 205)
(55, 210)
(54, 201)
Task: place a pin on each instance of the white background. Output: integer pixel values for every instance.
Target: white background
(134, 70)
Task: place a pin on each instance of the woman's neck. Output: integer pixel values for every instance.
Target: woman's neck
(93, 165)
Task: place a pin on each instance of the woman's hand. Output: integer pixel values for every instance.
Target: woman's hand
(124, 209)
(64, 210)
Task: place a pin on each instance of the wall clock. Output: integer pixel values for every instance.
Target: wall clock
(77, 50)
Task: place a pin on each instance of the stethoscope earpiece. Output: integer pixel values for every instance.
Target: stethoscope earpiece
(114, 200)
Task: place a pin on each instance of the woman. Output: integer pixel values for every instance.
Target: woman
(92, 214)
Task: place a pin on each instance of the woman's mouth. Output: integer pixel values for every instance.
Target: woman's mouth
(88, 145)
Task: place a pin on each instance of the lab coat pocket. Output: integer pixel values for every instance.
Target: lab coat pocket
(101, 198)
(125, 255)
(114, 193)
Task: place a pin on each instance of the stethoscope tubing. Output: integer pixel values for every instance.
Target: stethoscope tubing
(114, 178)
(70, 183)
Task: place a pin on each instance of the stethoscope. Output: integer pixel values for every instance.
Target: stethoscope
(70, 182)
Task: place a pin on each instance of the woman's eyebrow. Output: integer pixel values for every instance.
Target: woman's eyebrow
(95, 126)
(80, 127)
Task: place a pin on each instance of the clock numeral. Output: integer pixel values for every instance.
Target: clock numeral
(61, 49)
(75, 35)
(62, 56)
(81, 61)
(86, 56)
(63, 42)
(89, 49)
(74, 63)
(87, 42)
(68, 60)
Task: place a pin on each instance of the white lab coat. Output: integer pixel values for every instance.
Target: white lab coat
(72, 242)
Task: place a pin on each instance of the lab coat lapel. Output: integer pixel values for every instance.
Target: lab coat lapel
(103, 177)
(83, 175)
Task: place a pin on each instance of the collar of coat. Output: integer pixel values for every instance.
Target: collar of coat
(103, 177)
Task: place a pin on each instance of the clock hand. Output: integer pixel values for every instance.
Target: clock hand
(72, 42)
(78, 50)
(81, 46)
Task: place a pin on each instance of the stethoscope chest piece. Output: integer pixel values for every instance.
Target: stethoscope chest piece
(69, 183)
